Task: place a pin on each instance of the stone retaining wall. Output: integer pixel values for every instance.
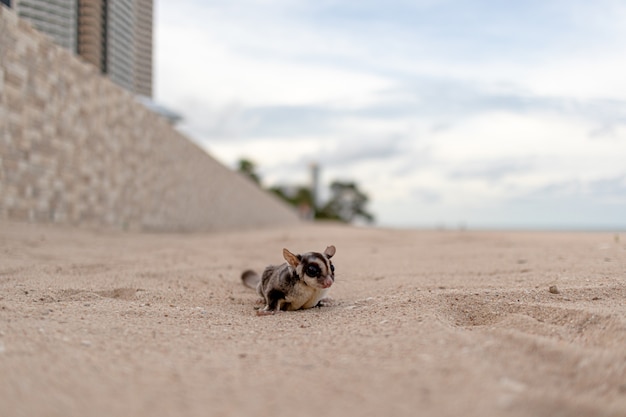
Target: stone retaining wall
(77, 149)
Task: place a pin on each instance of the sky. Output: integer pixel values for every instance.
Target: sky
(446, 113)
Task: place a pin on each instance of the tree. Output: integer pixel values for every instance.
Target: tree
(346, 204)
(248, 168)
(300, 197)
(296, 196)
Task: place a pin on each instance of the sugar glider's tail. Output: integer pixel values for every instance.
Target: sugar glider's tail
(250, 279)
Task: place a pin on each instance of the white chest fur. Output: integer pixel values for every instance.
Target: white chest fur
(304, 296)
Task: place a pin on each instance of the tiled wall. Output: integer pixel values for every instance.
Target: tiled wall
(77, 149)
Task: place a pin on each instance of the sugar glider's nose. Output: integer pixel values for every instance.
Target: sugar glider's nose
(326, 282)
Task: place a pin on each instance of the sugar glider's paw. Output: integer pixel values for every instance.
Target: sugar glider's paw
(326, 302)
(264, 312)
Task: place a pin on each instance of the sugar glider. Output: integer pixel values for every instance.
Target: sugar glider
(302, 282)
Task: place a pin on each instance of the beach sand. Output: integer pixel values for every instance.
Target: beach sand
(436, 323)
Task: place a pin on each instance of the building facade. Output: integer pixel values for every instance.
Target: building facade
(143, 47)
(114, 35)
(55, 18)
(92, 32)
(120, 65)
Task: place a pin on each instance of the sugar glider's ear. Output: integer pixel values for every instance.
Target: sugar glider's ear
(330, 251)
(293, 260)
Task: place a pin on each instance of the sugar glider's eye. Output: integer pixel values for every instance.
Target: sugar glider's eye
(313, 271)
(332, 268)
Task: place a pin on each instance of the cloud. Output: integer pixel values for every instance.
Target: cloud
(444, 103)
(607, 189)
(613, 188)
(286, 121)
(494, 170)
(360, 150)
(426, 195)
(440, 109)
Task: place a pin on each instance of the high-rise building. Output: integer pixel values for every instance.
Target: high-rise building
(143, 47)
(55, 18)
(120, 30)
(92, 32)
(113, 35)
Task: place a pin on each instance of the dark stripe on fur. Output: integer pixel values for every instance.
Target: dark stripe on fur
(325, 262)
(273, 298)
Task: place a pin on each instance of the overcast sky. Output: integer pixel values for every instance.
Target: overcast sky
(447, 113)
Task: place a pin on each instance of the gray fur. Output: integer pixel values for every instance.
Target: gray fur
(250, 279)
(289, 287)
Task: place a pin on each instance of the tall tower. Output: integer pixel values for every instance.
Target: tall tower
(56, 18)
(120, 42)
(91, 32)
(143, 47)
(113, 35)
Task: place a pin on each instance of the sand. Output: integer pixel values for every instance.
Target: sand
(437, 323)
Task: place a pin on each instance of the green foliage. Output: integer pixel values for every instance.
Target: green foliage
(347, 202)
(248, 168)
(297, 196)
